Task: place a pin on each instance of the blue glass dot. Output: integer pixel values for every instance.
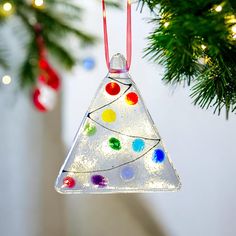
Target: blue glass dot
(127, 173)
(89, 63)
(138, 145)
(158, 156)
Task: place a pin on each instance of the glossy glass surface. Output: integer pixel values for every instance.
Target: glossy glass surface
(117, 147)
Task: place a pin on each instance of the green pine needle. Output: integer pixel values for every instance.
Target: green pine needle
(60, 54)
(188, 32)
(59, 19)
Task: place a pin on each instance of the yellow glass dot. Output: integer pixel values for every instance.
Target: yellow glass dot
(108, 116)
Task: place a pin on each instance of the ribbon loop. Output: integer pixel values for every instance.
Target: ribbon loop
(128, 36)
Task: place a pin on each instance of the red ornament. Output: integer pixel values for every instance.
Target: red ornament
(44, 97)
(48, 74)
(113, 88)
(36, 101)
(131, 98)
(69, 182)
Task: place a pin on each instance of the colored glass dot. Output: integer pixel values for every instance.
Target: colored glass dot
(158, 156)
(138, 145)
(113, 88)
(127, 173)
(114, 143)
(90, 129)
(99, 180)
(69, 182)
(109, 116)
(131, 98)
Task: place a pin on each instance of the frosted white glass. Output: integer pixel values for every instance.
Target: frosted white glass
(117, 147)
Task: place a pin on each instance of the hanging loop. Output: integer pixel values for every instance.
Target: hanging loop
(128, 36)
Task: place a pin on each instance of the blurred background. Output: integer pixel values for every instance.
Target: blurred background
(33, 146)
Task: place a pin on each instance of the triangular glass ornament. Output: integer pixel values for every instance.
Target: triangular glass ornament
(117, 147)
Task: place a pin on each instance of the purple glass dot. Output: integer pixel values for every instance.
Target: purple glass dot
(99, 180)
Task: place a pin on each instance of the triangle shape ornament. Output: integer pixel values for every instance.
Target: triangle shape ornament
(117, 147)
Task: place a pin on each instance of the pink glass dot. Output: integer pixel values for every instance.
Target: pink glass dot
(69, 182)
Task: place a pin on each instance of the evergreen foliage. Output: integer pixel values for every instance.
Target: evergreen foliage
(196, 43)
(59, 20)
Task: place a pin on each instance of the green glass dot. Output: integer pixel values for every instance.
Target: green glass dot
(114, 143)
(90, 129)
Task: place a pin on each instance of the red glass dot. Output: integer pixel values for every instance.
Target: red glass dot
(113, 88)
(69, 182)
(131, 98)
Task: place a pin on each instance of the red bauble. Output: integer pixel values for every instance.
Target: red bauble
(36, 101)
(44, 97)
(113, 88)
(48, 74)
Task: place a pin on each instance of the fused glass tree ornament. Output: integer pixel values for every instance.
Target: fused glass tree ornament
(117, 147)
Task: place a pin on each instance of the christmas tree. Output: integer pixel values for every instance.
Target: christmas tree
(117, 148)
(194, 40)
(196, 43)
(58, 20)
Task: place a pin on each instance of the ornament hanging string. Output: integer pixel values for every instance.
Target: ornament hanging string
(40, 41)
(128, 36)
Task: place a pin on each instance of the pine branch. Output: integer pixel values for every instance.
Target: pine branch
(187, 31)
(60, 53)
(66, 9)
(3, 56)
(3, 61)
(54, 25)
(29, 68)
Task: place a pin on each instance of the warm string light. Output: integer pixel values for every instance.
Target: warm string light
(218, 8)
(6, 79)
(230, 20)
(166, 24)
(203, 47)
(38, 4)
(233, 29)
(7, 6)
(165, 19)
(204, 60)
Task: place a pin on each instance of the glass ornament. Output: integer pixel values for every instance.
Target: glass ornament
(69, 182)
(117, 147)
